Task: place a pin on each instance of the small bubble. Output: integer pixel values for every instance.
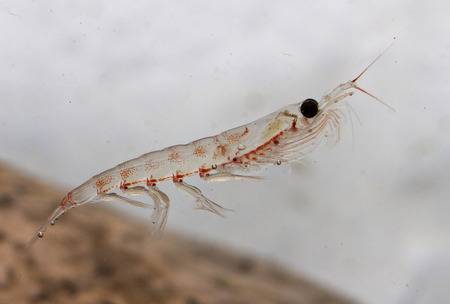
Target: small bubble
(214, 166)
(278, 162)
(241, 147)
(40, 234)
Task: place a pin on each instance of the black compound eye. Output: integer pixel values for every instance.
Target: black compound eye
(309, 108)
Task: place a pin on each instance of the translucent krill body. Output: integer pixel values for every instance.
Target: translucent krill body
(283, 136)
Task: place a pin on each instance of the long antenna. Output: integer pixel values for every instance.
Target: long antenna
(374, 97)
(355, 85)
(373, 61)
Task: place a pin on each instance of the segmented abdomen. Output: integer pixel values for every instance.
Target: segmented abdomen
(197, 157)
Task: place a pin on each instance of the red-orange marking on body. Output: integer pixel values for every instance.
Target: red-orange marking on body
(294, 124)
(221, 150)
(126, 173)
(178, 177)
(67, 200)
(174, 177)
(102, 182)
(202, 172)
(126, 185)
(151, 182)
(234, 137)
(174, 156)
(200, 151)
(258, 151)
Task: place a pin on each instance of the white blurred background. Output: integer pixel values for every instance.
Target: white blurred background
(88, 84)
